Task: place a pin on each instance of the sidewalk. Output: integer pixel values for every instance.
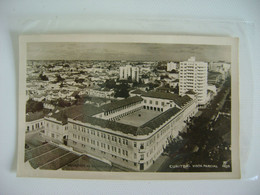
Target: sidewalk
(157, 164)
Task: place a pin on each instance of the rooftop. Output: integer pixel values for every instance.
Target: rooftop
(139, 117)
(190, 92)
(74, 111)
(160, 119)
(34, 116)
(121, 103)
(179, 100)
(144, 129)
(138, 91)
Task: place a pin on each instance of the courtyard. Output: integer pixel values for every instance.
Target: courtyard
(139, 117)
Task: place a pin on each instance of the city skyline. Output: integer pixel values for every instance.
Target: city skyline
(127, 51)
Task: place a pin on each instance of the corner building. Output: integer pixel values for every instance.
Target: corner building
(102, 135)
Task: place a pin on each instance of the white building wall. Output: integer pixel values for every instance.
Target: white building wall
(193, 76)
(129, 151)
(55, 130)
(35, 125)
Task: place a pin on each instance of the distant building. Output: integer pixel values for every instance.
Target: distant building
(171, 66)
(129, 71)
(220, 67)
(193, 76)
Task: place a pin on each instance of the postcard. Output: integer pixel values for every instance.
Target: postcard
(145, 107)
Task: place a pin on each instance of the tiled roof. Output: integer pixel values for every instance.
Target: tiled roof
(179, 100)
(160, 119)
(127, 129)
(34, 116)
(121, 103)
(145, 129)
(137, 91)
(75, 111)
(190, 92)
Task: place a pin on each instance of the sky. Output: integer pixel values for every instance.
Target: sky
(126, 51)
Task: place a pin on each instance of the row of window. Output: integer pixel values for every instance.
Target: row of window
(102, 135)
(37, 125)
(121, 108)
(105, 146)
(156, 102)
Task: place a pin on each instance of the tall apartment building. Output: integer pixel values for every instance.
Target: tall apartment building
(193, 76)
(129, 71)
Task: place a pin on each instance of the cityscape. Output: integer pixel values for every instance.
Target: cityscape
(127, 115)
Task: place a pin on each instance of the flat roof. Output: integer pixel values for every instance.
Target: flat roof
(139, 117)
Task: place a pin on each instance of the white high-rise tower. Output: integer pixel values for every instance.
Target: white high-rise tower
(193, 76)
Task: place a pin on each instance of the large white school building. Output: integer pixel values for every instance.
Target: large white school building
(131, 133)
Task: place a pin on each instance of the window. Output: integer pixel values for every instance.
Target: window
(162, 103)
(151, 101)
(83, 145)
(145, 101)
(156, 102)
(135, 144)
(126, 142)
(74, 142)
(126, 153)
(142, 157)
(52, 135)
(108, 137)
(98, 134)
(28, 128)
(119, 140)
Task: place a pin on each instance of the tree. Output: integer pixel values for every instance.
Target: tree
(59, 78)
(176, 89)
(63, 103)
(110, 84)
(43, 77)
(122, 91)
(33, 106)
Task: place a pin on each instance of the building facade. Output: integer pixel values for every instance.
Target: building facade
(193, 76)
(98, 132)
(135, 148)
(55, 130)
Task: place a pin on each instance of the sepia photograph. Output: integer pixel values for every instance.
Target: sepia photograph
(128, 107)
